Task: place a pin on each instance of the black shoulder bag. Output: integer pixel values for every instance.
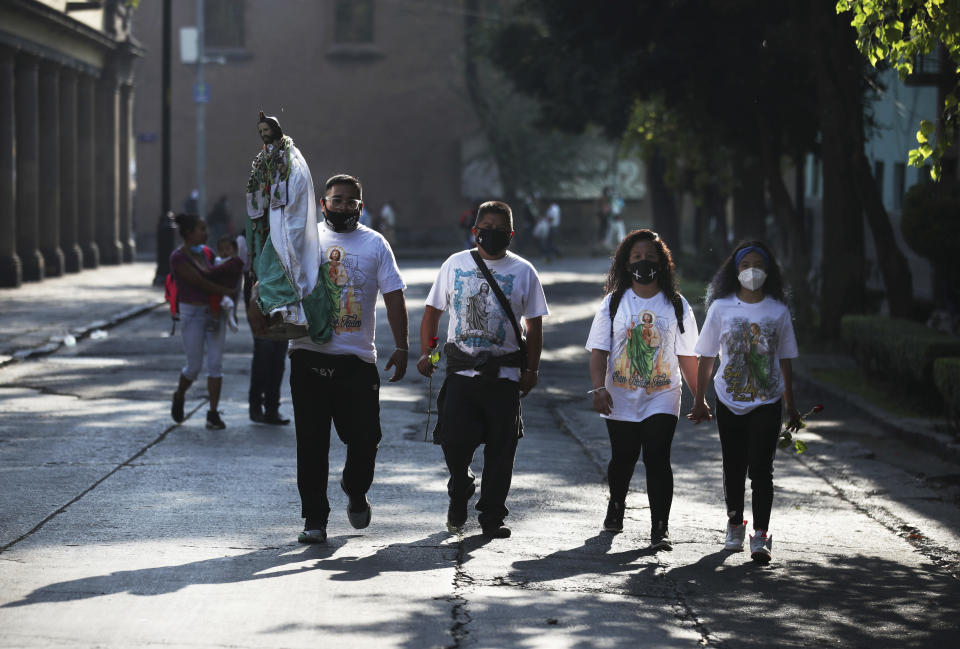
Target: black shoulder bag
(505, 305)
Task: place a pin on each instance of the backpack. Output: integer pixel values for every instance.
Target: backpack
(170, 292)
(615, 304)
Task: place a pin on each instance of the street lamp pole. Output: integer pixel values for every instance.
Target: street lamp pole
(201, 115)
(165, 237)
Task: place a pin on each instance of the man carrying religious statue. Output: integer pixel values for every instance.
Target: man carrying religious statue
(282, 239)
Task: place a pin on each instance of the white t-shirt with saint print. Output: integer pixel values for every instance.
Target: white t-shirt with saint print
(643, 372)
(354, 266)
(750, 340)
(477, 322)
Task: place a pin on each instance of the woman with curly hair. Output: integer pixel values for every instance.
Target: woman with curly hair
(641, 343)
(200, 286)
(748, 324)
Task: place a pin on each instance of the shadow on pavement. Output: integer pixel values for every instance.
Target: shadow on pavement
(856, 601)
(269, 563)
(591, 557)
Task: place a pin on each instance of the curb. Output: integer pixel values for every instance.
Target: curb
(916, 431)
(79, 333)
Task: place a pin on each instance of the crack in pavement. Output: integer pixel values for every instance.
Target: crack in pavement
(684, 612)
(459, 613)
(44, 389)
(893, 523)
(125, 464)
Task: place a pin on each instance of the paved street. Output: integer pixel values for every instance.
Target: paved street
(120, 529)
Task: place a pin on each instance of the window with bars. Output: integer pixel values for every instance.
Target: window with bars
(223, 24)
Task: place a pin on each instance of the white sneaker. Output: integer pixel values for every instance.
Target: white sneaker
(735, 535)
(760, 545)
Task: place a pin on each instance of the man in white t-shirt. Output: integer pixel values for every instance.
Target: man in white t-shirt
(488, 370)
(338, 380)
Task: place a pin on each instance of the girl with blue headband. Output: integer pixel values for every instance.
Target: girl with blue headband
(748, 324)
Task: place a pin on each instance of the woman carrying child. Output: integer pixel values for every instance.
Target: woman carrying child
(200, 287)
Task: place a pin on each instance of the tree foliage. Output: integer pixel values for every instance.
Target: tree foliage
(898, 32)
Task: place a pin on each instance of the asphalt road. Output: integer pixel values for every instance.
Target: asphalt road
(120, 529)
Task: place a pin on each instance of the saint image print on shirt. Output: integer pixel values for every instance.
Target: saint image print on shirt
(641, 363)
(749, 373)
(480, 320)
(344, 282)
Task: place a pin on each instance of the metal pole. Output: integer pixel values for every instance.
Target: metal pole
(201, 117)
(165, 236)
(165, 114)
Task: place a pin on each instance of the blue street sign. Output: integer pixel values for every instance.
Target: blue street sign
(201, 93)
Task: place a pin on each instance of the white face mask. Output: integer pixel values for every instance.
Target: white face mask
(752, 278)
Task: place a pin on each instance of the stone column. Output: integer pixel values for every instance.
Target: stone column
(73, 255)
(126, 149)
(49, 234)
(107, 181)
(28, 182)
(86, 136)
(11, 274)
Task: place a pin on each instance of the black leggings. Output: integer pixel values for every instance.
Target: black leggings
(749, 444)
(653, 437)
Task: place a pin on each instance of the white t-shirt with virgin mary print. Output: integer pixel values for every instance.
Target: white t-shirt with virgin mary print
(477, 321)
(643, 372)
(750, 339)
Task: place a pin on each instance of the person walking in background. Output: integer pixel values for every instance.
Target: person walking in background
(201, 329)
(191, 204)
(465, 223)
(489, 365)
(603, 214)
(337, 381)
(528, 222)
(387, 223)
(617, 228)
(748, 324)
(219, 219)
(641, 344)
(267, 364)
(553, 233)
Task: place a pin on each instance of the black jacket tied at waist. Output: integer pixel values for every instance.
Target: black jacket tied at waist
(488, 364)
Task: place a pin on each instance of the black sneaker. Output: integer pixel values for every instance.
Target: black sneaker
(457, 511)
(614, 520)
(497, 532)
(176, 410)
(256, 414)
(660, 537)
(213, 420)
(274, 419)
(313, 532)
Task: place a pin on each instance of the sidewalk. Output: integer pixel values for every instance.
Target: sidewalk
(39, 317)
(927, 433)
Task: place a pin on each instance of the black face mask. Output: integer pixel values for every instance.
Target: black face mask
(644, 271)
(493, 241)
(341, 221)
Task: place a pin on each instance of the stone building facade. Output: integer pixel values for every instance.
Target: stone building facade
(367, 87)
(66, 99)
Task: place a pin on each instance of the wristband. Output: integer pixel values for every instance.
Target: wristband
(532, 371)
(402, 349)
(602, 387)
